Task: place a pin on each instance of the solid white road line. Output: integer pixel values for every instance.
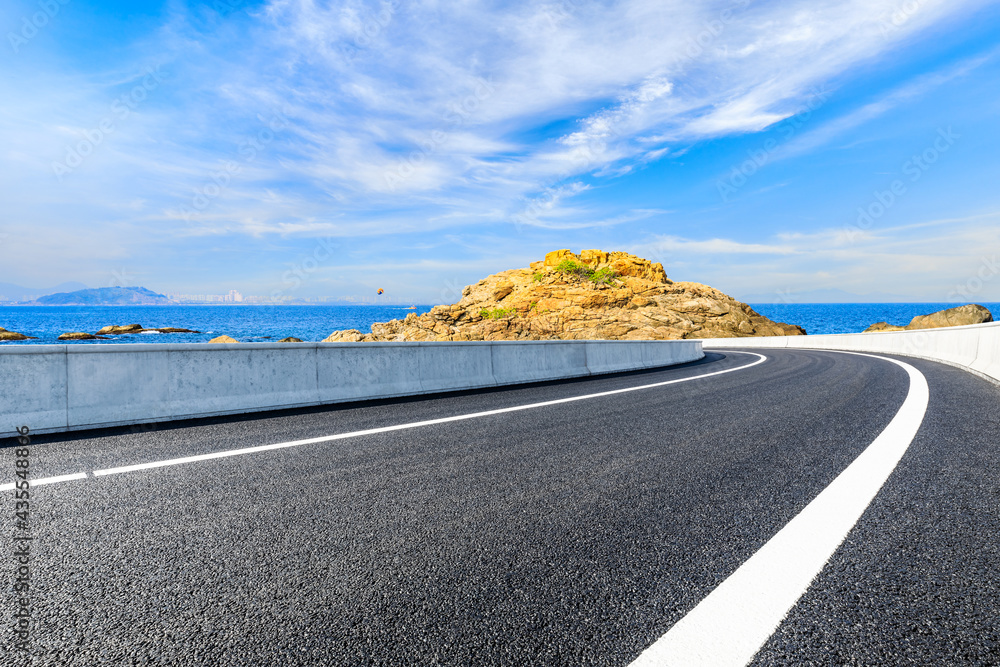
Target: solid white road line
(728, 627)
(400, 427)
(60, 478)
(42, 481)
(384, 429)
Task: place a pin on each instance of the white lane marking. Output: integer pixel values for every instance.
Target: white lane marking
(42, 481)
(57, 479)
(399, 427)
(731, 624)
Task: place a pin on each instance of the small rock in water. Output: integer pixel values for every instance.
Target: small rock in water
(80, 335)
(122, 329)
(13, 335)
(118, 329)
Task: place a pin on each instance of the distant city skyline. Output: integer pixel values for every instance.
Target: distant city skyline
(312, 149)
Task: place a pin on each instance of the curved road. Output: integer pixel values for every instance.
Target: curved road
(576, 532)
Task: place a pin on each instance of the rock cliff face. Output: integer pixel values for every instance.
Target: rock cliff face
(593, 295)
(952, 317)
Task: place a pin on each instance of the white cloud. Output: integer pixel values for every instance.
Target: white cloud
(672, 244)
(913, 89)
(926, 261)
(459, 101)
(677, 70)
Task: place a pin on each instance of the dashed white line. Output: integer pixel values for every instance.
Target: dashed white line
(386, 429)
(730, 625)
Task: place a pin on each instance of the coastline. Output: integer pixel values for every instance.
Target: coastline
(314, 322)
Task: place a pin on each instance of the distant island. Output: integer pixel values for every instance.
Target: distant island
(78, 294)
(105, 296)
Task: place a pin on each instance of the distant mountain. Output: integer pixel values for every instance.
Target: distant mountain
(825, 296)
(106, 296)
(12, 292)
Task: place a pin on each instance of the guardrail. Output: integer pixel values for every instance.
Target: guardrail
(975, 347)
(53, 388)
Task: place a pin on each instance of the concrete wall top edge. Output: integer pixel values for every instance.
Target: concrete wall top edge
(91, 348)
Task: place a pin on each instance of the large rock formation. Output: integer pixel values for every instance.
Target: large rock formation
(952, 317)
(593, 295)
(13, 335)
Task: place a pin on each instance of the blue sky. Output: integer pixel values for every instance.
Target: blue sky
(320, 148)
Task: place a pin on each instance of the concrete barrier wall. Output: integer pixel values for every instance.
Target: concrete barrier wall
(976, 347)
(71, 387)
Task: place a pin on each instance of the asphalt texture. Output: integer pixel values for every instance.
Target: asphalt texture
(572, 534)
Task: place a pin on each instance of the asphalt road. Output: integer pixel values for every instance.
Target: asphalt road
(575, 533)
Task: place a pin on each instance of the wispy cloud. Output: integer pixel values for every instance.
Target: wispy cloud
(418, 116)
(671, 244)
(922, 260)
(921, 86)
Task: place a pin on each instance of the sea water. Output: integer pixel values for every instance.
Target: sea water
(245, 323)
(248, 323)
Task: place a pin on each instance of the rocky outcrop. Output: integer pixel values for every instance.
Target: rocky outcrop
(80, 335)
(223, 339)
(593, 295)
(13, 335)
(119, 329)
(952, 317)
(122, 329)
(290, 339)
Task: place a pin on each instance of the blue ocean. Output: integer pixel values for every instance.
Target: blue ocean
(826, 318)
(314, 323)
(257, 324)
